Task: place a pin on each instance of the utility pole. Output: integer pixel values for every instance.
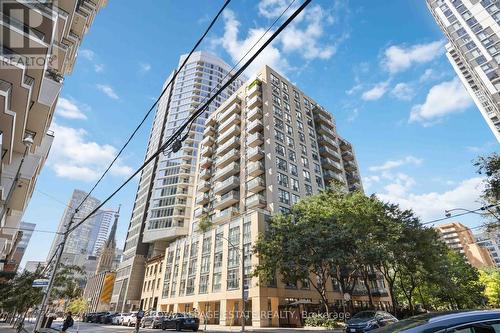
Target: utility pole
(46, 296)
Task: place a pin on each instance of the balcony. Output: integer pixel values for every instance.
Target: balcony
(202, 199)
(255, 154)
(254, 89)
(211, 121)
(321, 110)
(233, 109)
(330, 164)
(203, 186)
(227, 171)
(206, 162)
(207, 152)
(348, 155)
(322, 118)
(228, 184)
(344, 145)
(232, 143)
(254, 114)
(256, 201)
(226, 214)
(208, 141)
(255, 126)
(330, 175)
(327, 141)
(256, 185)
(233, 120)
(199, 212)
(209, 130)
(326, 130)
(325, 151)
(50, 88)
(254, 102)
(227, 200)
(232, 156)
(255, 169)
(231, 132)
(255, 140)
(205, 174)
(350, 166)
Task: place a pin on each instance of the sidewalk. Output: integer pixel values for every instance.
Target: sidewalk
(217, 328)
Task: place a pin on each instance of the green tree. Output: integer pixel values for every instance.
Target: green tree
(489, 166)
(490, 278)
(78, 306)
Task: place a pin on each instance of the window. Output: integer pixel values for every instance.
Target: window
(217, 278)
(279, 123)
(303, 149)
(232, 279)
(315, 156)
(295, 184)
(300, 125)
(295, 198)
(281, 164)
(290, 142)
(203, 284)
(309, 189)
(317, 168)
(276, 100)
(282, 180)
(307, 175)
(291, 155)
(284, 210)
(319, 181)
(288, 117)
(275, 80)
(293, 169)
(484, 326)
(279, 136)
(305, 162)
(296, 94)
(205, 264)
(299, 115)
(233, 258)
(277, 111)
(284, 86)
(289, 129)
(302, 137)
(280, 149)
(283, 196)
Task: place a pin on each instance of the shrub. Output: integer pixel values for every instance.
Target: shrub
(322, 320)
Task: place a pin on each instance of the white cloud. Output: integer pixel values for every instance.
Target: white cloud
(98, 68)
(354, 89)
(399, 58)
(391, 164)
(69, 109)
(430, 75)
(443, 99)
(431, 205)
(273, 8)
(87, 54)
(145, 67)
(107, 90)
(73, 156)
(403, 91)
(376, 92)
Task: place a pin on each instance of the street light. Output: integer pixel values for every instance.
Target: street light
(448, 211)
(241, 252)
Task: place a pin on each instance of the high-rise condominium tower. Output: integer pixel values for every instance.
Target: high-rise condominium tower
(266, 147)
(162, 206)
(473, 31)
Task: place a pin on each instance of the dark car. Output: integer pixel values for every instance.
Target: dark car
(152, 319)
(87, 318)
(96, 318)
(108, 317)
(180, 321)
(474, 321)
(365, 321)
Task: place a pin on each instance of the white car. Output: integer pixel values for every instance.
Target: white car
(118, 319)
(130, 319)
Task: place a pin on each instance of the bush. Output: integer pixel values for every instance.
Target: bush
(322, 320)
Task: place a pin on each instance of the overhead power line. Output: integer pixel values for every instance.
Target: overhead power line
(199, 111)
(226, 3)
(483, 208)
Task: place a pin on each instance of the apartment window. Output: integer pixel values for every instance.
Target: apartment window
(295, 198)
(305, 161)
(300, 125)
(315, 156)
(299, 115)
(203, 284)
(291, 155)
(275, 80)
(287, 107)
(303, 149)
(302, 137)
(285, 97)
(284, 210)
(217, 278)
(307, 175)
(317, 168)
(284, 86)
(297, 104)
(319, 181)
(217, 260)
(205, 264)
(276, 90)
(283, 196)
(309, 189)
(293, 169)
(279, 136)
(289, 129)
(290, 142)
(295, 184)
(281, 164)
(232, 279)
(276, 100)
(280, 149)
(296, 94)
(282, 180)
(279, 123)
(233, 258)
(288, 117)
(277, 111)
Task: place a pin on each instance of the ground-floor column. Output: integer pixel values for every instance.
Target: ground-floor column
(223, 313)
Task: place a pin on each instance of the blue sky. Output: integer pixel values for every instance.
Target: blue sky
(378, 66)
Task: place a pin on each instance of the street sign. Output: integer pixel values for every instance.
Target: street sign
(38, 283)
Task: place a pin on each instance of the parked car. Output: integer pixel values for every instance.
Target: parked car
(118, 319)
(108, 317)
(130, 319)
(180, 321)
(87, 317)
(152, 319)
(365, 321)
(484, 321)
(96, 318)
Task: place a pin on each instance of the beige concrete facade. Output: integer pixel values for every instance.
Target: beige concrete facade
(153, 283)
(459, 237)
(39, 45)
(263, 149)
